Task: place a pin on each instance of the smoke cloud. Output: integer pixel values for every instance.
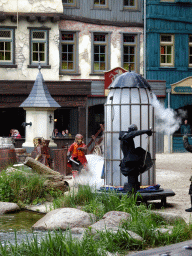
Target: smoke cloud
(167, 120)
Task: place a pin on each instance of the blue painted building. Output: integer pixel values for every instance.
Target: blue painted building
(169, 53)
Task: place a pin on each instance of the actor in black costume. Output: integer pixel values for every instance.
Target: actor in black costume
(188, 147)
(136, 160)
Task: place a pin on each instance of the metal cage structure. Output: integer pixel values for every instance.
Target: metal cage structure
(128, 102)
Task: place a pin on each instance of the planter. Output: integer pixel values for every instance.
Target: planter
(7, 157)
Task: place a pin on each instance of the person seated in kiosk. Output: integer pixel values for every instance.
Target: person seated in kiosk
(76, 154)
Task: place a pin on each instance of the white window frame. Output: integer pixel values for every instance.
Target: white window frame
(166, 45)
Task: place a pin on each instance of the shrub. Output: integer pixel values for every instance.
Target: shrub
(20, 186)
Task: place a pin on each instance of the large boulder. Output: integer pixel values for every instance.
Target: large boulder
(169, 216)
(64, 218)
(110, 220)
(8, 207)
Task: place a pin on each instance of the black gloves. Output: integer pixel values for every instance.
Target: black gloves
(149, 133)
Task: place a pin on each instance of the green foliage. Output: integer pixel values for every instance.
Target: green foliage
(62, 243)
(24, 187)
(83, 196)
(29, 188)
(6, 192)
(55, 244)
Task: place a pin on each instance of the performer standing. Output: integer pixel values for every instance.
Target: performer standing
(185, 128)
(77, 151)
(188, 147)
(136, 160)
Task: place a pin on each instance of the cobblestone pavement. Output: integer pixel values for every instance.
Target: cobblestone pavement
(173, 171)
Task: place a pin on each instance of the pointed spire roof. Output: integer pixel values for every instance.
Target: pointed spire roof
(39, 96)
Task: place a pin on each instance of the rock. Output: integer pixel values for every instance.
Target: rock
(8, 207)
(114, 230)
(169, 217)
(64, 218)
(164, 230)
(110, 220)
(11, 170)
(42, 208)
(59, 185)
(78, 230)
(134, 235)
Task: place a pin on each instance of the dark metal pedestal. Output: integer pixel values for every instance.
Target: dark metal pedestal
(162, 195)
(132, 184)
(157, 195)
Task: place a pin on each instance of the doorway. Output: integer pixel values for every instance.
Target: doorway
(66, 119)
(96, 117)
(12, 118)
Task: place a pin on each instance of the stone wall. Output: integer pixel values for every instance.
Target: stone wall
(33, 6)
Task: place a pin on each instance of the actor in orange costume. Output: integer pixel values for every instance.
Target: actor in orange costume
(77, 151)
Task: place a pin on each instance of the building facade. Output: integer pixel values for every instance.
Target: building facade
(77, 43)
(169, 54)
(29, 33)
(95, 37)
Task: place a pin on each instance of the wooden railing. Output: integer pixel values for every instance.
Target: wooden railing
(90, 147)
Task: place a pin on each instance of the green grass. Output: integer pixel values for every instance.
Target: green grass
(143, 221)
(24, 187)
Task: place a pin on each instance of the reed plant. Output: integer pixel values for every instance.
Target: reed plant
(24, 187)
(59, 243)
(143, 222)
(100, 244)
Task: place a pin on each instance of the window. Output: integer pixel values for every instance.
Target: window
(7, 46)
(39, 47)
(69, 53)
(70, 3)
(100, 52)
(130, 5)
(100, 2)
(167, 1)
(129, 51)
(190, 51)
(166, 50)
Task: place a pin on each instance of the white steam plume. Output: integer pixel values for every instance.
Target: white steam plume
(167, 120)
